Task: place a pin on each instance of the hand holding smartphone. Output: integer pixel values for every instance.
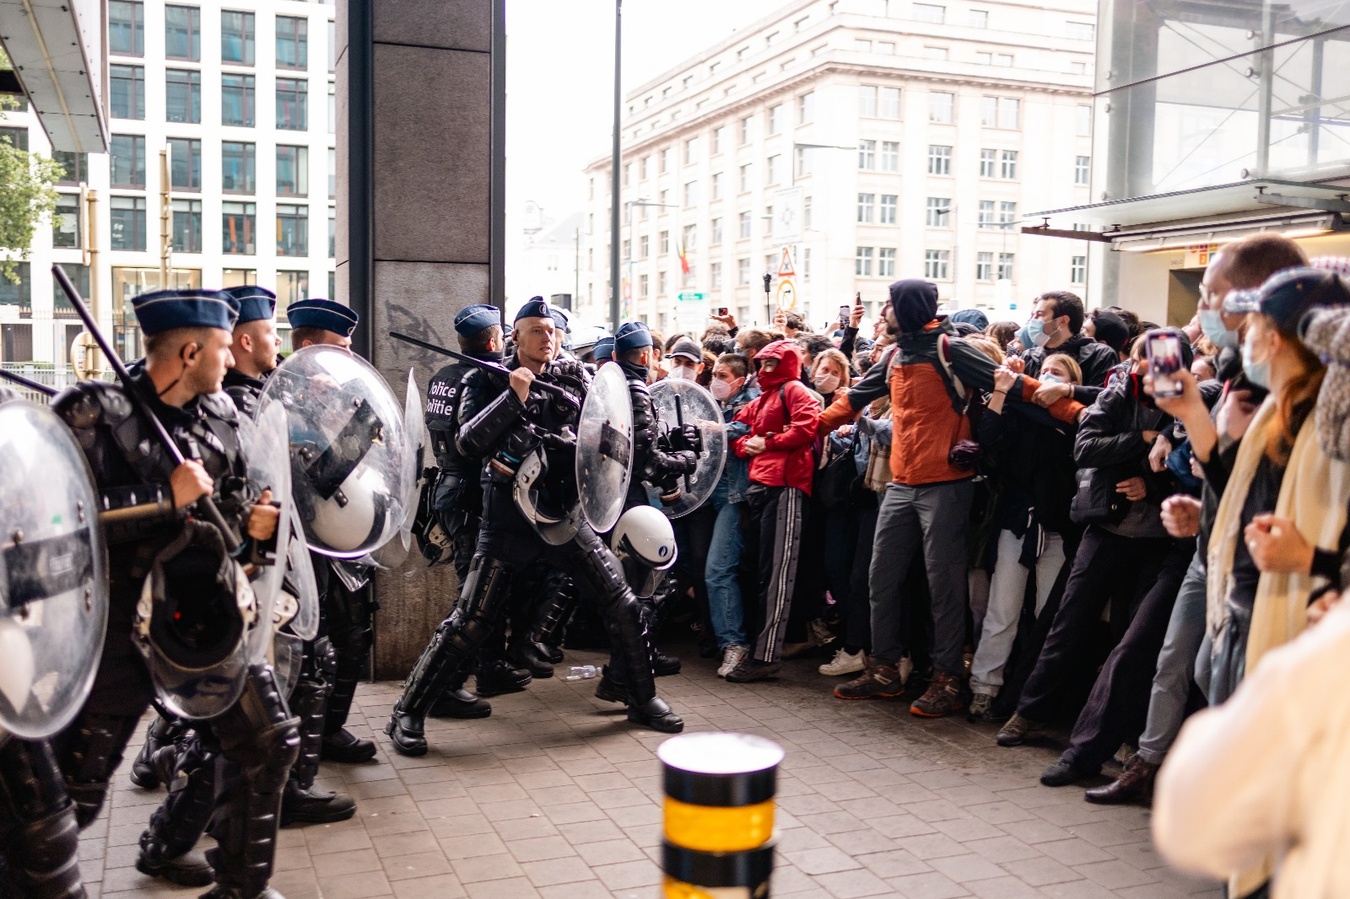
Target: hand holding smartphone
(1164, 361)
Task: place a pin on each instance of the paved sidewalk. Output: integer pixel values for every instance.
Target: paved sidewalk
(557, 796)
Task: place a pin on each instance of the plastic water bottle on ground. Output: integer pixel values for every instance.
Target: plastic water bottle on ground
(581, 672)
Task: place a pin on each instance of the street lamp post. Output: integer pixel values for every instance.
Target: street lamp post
(614, 172)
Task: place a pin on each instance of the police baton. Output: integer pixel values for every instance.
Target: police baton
(207, 504)
(494, 367)
(28, 383)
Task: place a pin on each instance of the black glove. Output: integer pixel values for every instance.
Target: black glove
(571, 369)
(690, 460)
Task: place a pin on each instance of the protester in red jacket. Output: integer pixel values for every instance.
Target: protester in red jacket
(782, 422)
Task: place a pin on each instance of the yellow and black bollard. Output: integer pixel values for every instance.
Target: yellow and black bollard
(719, 812)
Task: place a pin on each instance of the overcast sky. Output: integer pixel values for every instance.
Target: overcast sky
(560, 82)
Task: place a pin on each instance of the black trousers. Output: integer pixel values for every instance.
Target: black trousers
(774, 517)
(1107, 567)
(1118, 705)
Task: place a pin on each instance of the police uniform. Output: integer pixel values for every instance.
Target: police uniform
(506, 432)
(255, 304)
(256, 736)
(345, 614)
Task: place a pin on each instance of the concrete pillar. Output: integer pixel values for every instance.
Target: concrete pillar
(420, 223)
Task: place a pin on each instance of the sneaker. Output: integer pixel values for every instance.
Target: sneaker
(751, 669)
(844, 662)
(945, 696)
(979, 705)
(1018, 730)
(819, 633)
(1064, 772)
(734, 655)
(877, 682)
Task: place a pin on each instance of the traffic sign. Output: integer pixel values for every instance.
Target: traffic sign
(787, 294)
(785, 269)
(691, 296)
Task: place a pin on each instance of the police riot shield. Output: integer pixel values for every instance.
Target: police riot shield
(53, 573)
(265, 449)
(415, 424)
(679, 405)
(604, 461)
(300, 587)
(348, 443)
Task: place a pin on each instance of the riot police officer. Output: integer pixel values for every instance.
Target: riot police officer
(346, 612)
(516, 427)
(158, 556)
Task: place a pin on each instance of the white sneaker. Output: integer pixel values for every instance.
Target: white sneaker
(733, 656)
(844, 662)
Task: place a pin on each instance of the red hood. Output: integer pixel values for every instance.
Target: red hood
(789, 366)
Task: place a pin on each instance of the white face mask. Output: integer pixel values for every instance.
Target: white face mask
(827, 383)
(680, 372)
(723, 390)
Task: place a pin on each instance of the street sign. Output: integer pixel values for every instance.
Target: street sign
(691, 296)
(787, 294)
(785, 266)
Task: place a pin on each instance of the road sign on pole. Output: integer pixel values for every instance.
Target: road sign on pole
(785, 269)
(787, 294)
(691, 296)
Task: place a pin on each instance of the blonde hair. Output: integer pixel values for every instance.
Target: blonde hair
(987, 346)
(838, 358)
(1069, 362)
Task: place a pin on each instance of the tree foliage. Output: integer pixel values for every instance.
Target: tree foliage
(26, 197)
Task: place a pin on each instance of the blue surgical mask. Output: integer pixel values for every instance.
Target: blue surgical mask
(1024, 336)
(1257, 372)
(1051, 379)
(1036, 331)
(1216, 332)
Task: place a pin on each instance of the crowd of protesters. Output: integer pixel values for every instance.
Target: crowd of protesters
(1083, 524)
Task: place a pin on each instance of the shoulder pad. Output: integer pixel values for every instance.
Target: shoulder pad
(219, 405)
(85, 403)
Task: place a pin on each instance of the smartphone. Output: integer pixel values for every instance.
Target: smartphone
(721, 310)
(844, 313)
(1164, 361)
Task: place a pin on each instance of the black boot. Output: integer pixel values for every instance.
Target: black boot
(313, 806)
(499, 676)
(346, 747)
(40, 857)
(406, 731)
(529, 656)
(162, 732)
(610, 688)
(189, 869)
(656, 714)
(178, 823)
(460, 703)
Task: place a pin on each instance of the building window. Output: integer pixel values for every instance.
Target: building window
(746, 172)
(691, 151)
(1078, 270)
(862, 264)
(183, 32)
(938, 53)
(804, 167)
(773, 173)
(126, 27)
(985, 216)
(939, 159)
(237, 167)
(743, 131)
(806, 108)
(332, 173)
(988, 163)
(127, 216)
(185, 163)
(644, 246)
(867, 101)
(979, 18)
(292, 104)
(665, 242)
(1083, 121)
(236, 37)
(1080, 31)
(1007, 214)
(128, 160)
(1008, 165)
(15, 137)
(1000, 112)
(1005, 266)
(930, 12)
(237, 226)
(886, 262)
(126, 89)
(939, 211)
(292, 287)
(183, 96)
(292, 42)
(76, 166)
(665, 161)
(867, 155)
(691, 193)
(743, 225)
(716, 185)
(187, 226)
(292, 230)
(66, 222)
(662, 283)
(1080, 169)
(292, 171)
(716, 233)
(332, 240)
(941, 107)
(690, 237)
(21, 295)
(715, 276)
(238, 277)
(890, 103)
(236, 100)
(806, 212)
(775, 118)
(936, 264)
(865, 203)
(888, 206)
(718, 136)
(742, 272)
(984, 266)
(890, 156)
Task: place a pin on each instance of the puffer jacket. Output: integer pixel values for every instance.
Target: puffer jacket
(785, 415)
(735, 478)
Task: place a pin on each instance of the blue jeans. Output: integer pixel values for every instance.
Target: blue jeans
(725, 607)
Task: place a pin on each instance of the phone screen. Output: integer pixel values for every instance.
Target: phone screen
(843, 315)
(1164, 361)
(721, 310)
